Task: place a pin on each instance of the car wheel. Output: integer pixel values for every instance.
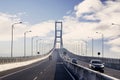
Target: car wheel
(102, 71)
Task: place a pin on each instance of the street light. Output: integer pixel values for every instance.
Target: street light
(37, 45)
(82, 45)
(43, 46)
(81, 48)
(40, 46)
(32, 44)
(25, 42)
(92, 46)
(86, 46)
(102, 35)
(12, 37)
(115, 24)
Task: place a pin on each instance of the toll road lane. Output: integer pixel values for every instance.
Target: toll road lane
(62, 73)
(46, 70)
(26, 74)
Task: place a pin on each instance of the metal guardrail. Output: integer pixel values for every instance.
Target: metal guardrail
(5, 60)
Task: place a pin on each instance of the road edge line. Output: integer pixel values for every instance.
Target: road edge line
(69, 73)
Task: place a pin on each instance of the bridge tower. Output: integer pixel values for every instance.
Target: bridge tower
(58, 34)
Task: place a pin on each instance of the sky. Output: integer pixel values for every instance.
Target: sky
(35, 11)
(81, 19)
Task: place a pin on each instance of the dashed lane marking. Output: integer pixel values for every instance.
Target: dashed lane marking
(41, 72)
(44, 69)
(35, 78)
(59, 63)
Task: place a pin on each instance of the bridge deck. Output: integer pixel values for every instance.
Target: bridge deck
(43, 70)
(52, 69)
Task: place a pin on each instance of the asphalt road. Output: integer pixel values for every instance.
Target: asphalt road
(43, 70)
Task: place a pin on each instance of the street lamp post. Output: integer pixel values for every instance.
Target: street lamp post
(86, 46)
(82, 49)
(76, 49)
(25, 42)
(37, 45)
(32, 45)
(102, 35)
(40, 46)
(12, 37)
(115, 24)
(92, 46)
(43, 46)
(82, 45)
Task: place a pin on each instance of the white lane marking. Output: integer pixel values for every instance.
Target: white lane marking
(69, 73)
(59, 63)
(44, 69)
(4, 67)
(21, 69)
(18, 71)
(35, 78)
(41, 72)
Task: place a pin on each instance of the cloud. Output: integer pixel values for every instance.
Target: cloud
(115, 49)
(43, 29)
(88, 6)
(114, 42)
(74, 29)
(91, 17)
(6, 22)
(87, 18)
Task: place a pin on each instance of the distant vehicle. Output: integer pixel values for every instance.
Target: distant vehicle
(96, 65)
(74, 60)
(68, 59)
(50, 57)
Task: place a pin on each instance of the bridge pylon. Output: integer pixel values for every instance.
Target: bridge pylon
(58, 34)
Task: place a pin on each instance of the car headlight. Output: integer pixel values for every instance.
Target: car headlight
(102, 66)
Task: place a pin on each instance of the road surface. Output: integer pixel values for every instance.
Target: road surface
(52, 69)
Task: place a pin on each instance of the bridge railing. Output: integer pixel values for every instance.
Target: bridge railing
(82, 73)
(5, 60)
(109, 62)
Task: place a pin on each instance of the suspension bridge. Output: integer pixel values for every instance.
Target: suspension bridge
(56, 64)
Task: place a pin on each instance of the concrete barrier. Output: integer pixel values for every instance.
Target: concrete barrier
(109, 62)
(82, 73)
(5, 60)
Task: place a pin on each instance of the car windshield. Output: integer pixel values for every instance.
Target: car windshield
(97, 62)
